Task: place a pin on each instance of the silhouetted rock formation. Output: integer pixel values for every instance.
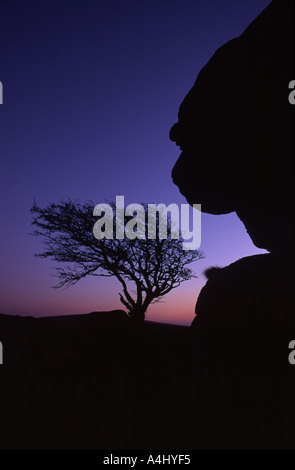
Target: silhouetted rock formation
(236, 133)
(244, 323)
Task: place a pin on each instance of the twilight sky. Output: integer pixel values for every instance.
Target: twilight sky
(91, 89)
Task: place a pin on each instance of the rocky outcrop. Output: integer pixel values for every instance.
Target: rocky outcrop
(236, 131)
(243, 326)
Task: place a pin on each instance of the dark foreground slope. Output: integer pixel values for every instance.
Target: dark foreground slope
(93, 381)
(96, 381)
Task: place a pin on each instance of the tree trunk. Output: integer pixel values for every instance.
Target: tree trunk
(138, 314)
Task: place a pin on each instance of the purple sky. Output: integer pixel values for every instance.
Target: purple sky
(91, 90)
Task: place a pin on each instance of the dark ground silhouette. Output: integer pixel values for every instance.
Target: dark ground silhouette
(236, 133)
(97, 381)
(94, 381)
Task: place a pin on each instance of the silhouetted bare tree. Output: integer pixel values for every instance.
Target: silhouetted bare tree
(153, 266)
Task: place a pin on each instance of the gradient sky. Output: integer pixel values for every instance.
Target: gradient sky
(91, 89)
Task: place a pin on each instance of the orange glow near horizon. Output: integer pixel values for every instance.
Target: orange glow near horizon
(177, 307)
